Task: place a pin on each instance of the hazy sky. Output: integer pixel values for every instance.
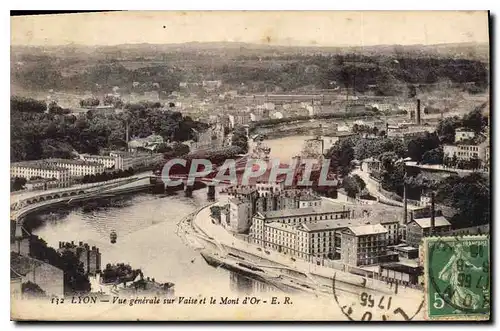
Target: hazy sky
(325, 28)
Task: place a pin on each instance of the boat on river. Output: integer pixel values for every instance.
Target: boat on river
(113, 236)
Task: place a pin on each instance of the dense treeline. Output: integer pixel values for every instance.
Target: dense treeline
(387, 75)
(45, 73)
(37, 135)
(384, 74)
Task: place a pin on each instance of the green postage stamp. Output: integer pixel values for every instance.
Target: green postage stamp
(457, 277)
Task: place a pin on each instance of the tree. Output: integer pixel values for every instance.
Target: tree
(89, 102)
(419, 145)
(353, 185)
(433, 156)
(341, 155)
(28, 105)
(475, 120)
(446, 129)
(17, 184)
(112, 100)
(240, 139)
(366, 148)
(393, 172)
(469, 195)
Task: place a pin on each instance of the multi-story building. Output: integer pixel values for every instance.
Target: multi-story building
(393, 229)
(30, 169)
(309, 200)
(282, 238)
(420, 228)
(240, 215)
(365, 245)
(125, 160)
(467, 150)
(78, 168)
(239, 119)
(292, 217)
(90, 257)
(106, 160)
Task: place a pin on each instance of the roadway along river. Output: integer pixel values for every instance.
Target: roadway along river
(146, 226)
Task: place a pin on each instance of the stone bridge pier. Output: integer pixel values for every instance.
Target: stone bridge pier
(188, 190)
(211, 192)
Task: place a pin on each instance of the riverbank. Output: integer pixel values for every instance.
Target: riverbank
(225, 248)
(128, 187)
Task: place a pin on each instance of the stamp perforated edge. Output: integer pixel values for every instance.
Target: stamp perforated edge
(423, 261)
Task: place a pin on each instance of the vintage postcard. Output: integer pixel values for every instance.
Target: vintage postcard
(250, 166)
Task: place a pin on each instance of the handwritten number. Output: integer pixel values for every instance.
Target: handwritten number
(402, 313)
(380, 302)
(364, 296)
(367, 316)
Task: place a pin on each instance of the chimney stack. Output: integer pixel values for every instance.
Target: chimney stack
(433, 214)
(405, 199)
(417, 118)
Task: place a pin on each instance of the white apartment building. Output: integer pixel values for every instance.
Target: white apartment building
(240, 215)
(468, 151)
(78, 168)
(281, 237)
(107, 161)
(30, 169)
(312, 240)
(291, 217)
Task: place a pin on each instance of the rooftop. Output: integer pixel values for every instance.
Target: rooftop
(38, 164)
(403, 268)
(297, 212)
(72, 161)
(238, 201)
(364, 230)
(332, 224)
(309, 197)
(339, 134)
(406, 248)
(281, 226)
(425, 223)
(97, 156)
(462, 129)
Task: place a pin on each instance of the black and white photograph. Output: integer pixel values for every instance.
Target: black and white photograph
(250, 166)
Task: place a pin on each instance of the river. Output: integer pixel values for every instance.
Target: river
(146, 228)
